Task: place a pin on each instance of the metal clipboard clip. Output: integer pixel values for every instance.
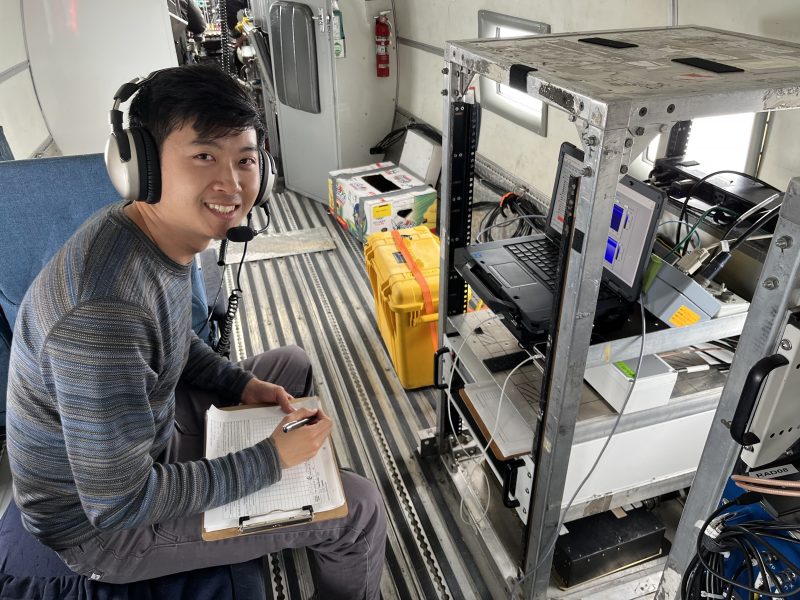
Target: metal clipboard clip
(254, 524)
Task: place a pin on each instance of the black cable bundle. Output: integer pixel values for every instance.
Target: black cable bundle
(391, 138)
(511, 207)
(696, 186)
(223, 346)
(705, 578)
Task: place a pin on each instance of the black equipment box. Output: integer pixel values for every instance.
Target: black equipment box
(603, 543)
(729, 190)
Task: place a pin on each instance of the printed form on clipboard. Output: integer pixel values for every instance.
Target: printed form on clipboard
(308, 491)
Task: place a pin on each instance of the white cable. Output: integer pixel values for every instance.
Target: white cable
(456, 358)
(560, 523)
(764, 236)
(485, 449)
(506, 222)
(753, 209)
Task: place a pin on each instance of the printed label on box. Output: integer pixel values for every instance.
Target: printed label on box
(382, 210)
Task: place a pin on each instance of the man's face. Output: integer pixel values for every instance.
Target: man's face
(208, 185)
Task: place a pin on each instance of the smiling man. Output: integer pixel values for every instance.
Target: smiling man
(108, 385)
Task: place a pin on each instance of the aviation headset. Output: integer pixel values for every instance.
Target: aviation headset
(131, 155)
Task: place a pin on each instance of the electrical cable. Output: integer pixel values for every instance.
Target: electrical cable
(699, 182)
(768, 216)
(489, 184)
(778, 483)
(504, 223)
(746, 537)
(696, 225)
(749, 212)
(224, 344)
(564, 512)
(719, 261)
(697, 235)
(394, 136)
(485, 449)
(456, 359)
(214, 303)
(514, 204)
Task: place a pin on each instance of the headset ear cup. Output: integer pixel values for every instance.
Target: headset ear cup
(148, 167)
(268, 173)
(125, 182)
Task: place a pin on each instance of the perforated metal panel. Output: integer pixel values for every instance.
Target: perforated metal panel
(291, 26)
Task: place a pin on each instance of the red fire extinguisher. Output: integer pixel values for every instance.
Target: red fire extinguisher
(382, 46)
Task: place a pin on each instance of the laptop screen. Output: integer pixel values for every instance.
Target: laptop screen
(636, 210)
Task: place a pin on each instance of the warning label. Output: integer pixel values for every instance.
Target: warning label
(684, 316)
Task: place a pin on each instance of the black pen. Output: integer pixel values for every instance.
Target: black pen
(292, 425)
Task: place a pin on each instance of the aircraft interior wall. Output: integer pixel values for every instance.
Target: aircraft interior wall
(24, 127)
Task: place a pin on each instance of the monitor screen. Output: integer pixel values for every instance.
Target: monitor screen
(632, 219)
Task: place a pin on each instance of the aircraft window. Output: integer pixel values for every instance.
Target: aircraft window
(501, 99)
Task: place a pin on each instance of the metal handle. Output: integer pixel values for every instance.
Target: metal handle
(747, 401)
(437, 358)
(510, 482)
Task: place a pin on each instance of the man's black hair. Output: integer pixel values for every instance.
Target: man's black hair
(212, 101)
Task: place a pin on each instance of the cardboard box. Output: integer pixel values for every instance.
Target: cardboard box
(336, 186)
(380, 197)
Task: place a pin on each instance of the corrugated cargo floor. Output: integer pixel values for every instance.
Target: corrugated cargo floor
(322, 301)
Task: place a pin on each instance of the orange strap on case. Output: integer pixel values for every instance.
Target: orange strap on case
(423, 283)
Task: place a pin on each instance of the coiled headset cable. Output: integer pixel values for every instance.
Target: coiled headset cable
(223, 346)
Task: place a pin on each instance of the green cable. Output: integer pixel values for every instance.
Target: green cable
(696, 225)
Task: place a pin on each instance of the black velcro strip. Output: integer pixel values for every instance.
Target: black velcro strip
(608, 43)
(708, 65)
(518, 77)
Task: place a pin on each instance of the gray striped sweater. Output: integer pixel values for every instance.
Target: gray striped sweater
(101, 339)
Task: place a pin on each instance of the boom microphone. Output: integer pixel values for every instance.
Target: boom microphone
(243, 233)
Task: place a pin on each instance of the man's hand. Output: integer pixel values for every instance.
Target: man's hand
(263, 392)
(303, 443)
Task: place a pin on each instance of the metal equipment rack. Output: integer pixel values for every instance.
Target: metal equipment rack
(619, 99)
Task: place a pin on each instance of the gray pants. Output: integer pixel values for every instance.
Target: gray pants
(347, 553)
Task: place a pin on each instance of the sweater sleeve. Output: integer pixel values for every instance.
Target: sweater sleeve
(104, 365)
(208, 370)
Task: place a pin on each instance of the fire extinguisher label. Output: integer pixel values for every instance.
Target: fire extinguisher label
(381, 50)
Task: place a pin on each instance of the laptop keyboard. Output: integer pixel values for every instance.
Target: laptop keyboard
(540, 256)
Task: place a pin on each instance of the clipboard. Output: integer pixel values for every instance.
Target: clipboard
(259, 524)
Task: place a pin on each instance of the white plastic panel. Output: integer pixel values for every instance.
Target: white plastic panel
(364, 102)
(662, 450)
(12, 42)
(22, 122)
(81, 52)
